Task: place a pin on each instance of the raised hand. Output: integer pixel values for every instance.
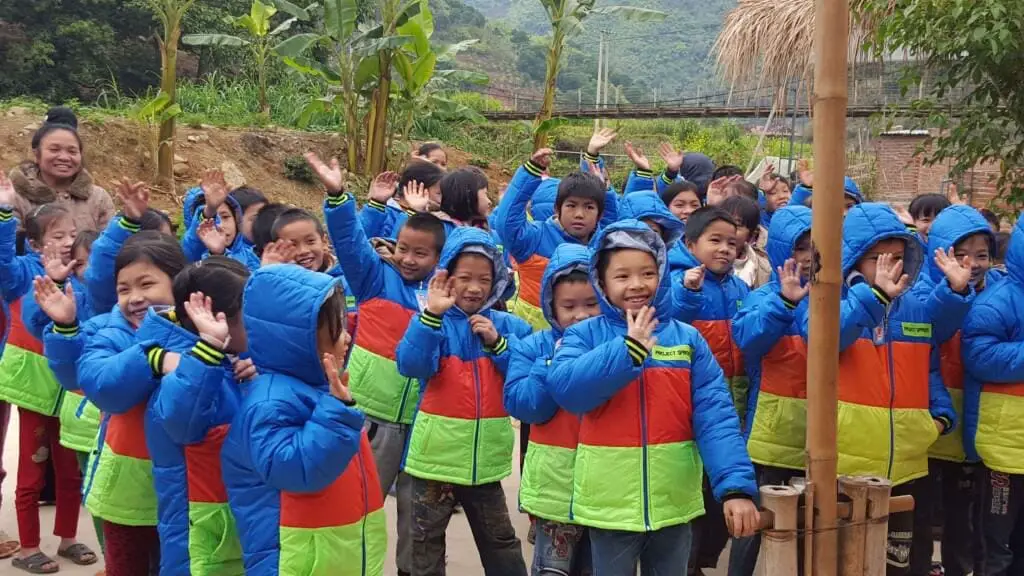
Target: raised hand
(171, 361)
(640, 326)
(383, 186)
(903, 214)
(215, 190)
(741, 517)
(331, 176)
(600, 139)
(278, 252)
(767, 181)
(212, 327)
(416, 196)
(439, 293)
(889, 276)
(484, 328)
(804, 172)
(338, 383)
(789, 281)
(135, 198)
(58, 305)
(958, 273)
(244, 369)
(693, 279)
(673, 158)
(637, 156)
(212, 237)
(55, 268)
(7, 193)
(542, 157)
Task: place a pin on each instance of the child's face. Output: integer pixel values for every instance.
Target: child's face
(744, 236)
(483, 202)
(306, 238)
(81, 257)
(228, 223)
(141, 285)
(473, 278)
(803, 255)
(61, 233)
(434, 192)
(325, 344)
(684, 204)
(777, 197)
(574, 302)
(416, 254)
(716, 248)
(653, 225)
(867, 265)
(578, 217)
(248, 218)
(630, 280)
(973, 252)
(924, 223)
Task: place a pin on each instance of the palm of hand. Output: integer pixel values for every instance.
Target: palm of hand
(59, 307)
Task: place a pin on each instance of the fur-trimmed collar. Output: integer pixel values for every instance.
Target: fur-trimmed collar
(28, 182)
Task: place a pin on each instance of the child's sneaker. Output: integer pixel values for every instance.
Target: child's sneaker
(937, 570)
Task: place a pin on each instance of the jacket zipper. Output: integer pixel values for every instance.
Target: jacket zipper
(366, 507)
(476, 433)
(405, 397)
(892, 392)
(94, 462)
(60, 398)
(643, 450)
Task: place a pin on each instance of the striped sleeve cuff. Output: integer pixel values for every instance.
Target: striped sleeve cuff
(67, 330)
(881, 295)
(637, 351)
(911, 228)
(6, 213)
(789, 304)
(499, 347)
(533, 168)
(430, 320)
(379, 206)
(335, 200)
(591, 157)
(946, 423)
(129, 224)
(207, 353)
(645, 173)
(155, 356)
(665, 178)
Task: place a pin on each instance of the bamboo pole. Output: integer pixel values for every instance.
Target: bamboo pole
(875, 547)
(854, 531)
(830, 99)
(778, 543)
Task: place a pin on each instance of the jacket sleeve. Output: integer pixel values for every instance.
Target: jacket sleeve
(520, 235)
(639, 181)
(611, 208)
(191, 244)
(15, 272)
(762, 321)
(688, 303)
(99, 276)
(185, 402)
(947, 310)
(716, 427)
(293, 454)
(33, 317)
(419, 351)
(511, 330)
(525, 396)
(859, 309)
(940, 403)
(114, 377)
(361, 263)
(373, 217)
(584, 374)
(990, 351)
(62, 347)
(663, 181)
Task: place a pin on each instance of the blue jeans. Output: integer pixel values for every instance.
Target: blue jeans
(663, 552)
(561, 550)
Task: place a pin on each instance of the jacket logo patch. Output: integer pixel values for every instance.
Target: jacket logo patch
(917, 329)
(672, 353)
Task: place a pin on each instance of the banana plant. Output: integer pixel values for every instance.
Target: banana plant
(260, 39)
(567, 18)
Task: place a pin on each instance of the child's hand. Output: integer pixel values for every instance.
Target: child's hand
(767, 182)
(383, 186)
(640, 326)
(542, 157)
(212, 327)
(244, 369)
(741, 517)
(804, 173)
(673, 159)
(693, 279)
(339, 384)
(416, 196)
(484, 328)
(789, 282)
(212, 237)
(7, 193)
(332, 176)
(278, 252)
(637, 156)
(595, 169)
(903, 214)
(889, 276)
(599, 140)
(215, 190)
(957, 274)
(939, 426)
(135, 198)
(439, 293)
(171, 361)
(57, 305)
(57, 270)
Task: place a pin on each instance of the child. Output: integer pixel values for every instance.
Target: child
(992, 218)
(692, 167)
(579, 209)
(923, 209)
(546, 490)
(214, 228)
(122, 360)
(889, 412)
(461, 443)
(297, 464)
(638, 486)
(263, 226)
(682, 199)
(419, 190)
(751, 265)
(389, 291)
(851, 194)
(307, 236)
(649, 209)
(250, 201)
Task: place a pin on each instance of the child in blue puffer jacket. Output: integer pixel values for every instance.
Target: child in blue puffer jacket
(215, 222)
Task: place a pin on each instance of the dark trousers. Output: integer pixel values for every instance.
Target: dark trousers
(500, 550)
(999, 520)
(744, 552)
(709, 534)
(659, 553)
(946, 499)
(904, 558)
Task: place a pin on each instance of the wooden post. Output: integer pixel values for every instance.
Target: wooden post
(876, 540)
(778, 544)
(852, 534)
(831, 35)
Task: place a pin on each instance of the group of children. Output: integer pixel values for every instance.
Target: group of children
(241, 401)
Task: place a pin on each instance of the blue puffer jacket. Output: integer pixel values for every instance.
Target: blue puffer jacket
(696, 168)
(194, 248)
(384, 220)
(36, 320)
(638, 181)
(542, 206)
(99, 276)
(648, 205)
(801, 194)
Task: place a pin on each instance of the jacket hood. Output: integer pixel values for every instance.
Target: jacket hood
(567, 258)
(195, 198)
(1015, 253)
(697, 168)
(29, 184)
(640, 205)
(280, 307)
(542, 205)
(802, 193)
(950, 227)
(636, 235)
(788, 224)
(477, 241)
(869, 223)
(161, 327)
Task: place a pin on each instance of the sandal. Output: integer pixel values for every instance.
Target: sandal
(35, 563)
(8, 546)
(79, 554)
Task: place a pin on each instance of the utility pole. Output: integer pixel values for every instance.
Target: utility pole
(607, 59)
(597, 93)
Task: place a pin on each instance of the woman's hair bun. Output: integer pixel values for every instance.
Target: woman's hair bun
(62, 115)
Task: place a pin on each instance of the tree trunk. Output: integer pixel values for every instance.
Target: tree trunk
(554, 60)
(377, 137)
(261, 79)
(168, 85)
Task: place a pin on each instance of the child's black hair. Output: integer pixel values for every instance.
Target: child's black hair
(726, 171)
(459, 194)
(153, 219)
(573, 277)
(780, 178)
(293, 215)
(702, 218)
(84, 241)
(676, 188)
(581, 185)
(263, 226)
(427, 147)
(426, 173)
(744, 211)
(220, 278)
(160, 250)
(430, 224)
(992, 217)
(927, 205)
(247, 197)
(605, 256)
(1002, 245)
(39, 221)
(333, 314)
(743, 188)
